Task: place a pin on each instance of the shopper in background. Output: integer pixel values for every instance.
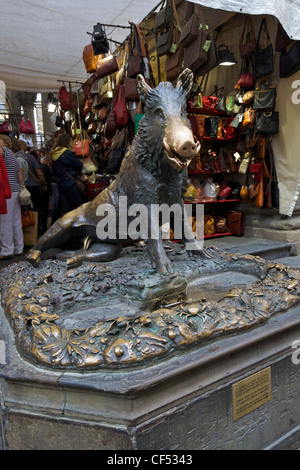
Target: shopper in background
(66, 168)
(11, 233)
(21, 157)
(34, 173)
(44, 198)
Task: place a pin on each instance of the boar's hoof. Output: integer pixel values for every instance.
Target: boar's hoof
(34, 257)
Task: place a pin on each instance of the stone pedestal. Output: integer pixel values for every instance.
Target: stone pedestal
(183, 402)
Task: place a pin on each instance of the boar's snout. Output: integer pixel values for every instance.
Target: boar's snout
(180, 144)
(187, 149)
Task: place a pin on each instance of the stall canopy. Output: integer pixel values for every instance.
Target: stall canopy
(42, 42)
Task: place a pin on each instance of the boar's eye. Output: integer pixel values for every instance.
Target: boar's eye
(160, 113)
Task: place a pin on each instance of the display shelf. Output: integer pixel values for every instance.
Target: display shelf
(209, 173)
(206, 112)
(212, 201)
(218, 234)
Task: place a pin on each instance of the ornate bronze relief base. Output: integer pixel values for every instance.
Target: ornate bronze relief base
(121, 314)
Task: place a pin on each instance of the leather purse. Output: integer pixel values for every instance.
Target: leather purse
(82, 145)
(200, 124)
(264, 97)
(267, 122)
(106, 66)
(163, 18)
(121, 111)
(247, 41)
(249, 117)
(246, 80)
(189, 31)
(89, 58)
(248, 97)
(290, 61)
(195, 54)
(263, 57)
(174, 65)
(131, 89)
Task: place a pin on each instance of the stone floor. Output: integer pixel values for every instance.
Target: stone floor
(268, 249)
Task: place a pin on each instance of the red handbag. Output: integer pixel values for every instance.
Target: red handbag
(246, 80)
(229, 132)
(4, 128)
(82, 146)
(26, 127)
(64, 99)
(121, 111)
(209, 102)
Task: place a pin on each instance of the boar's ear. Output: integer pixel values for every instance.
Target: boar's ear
(143, 88)
(185, 81)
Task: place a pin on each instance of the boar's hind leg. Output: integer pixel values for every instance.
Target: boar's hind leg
(58, 235)
(97, 252)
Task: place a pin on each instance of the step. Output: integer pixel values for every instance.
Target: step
(292, 261)
(267, 249)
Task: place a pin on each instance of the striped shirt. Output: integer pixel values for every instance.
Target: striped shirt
(12, 168)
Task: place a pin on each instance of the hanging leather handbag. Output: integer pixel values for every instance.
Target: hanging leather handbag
(249, 117)
(164, 42)
(247, 41)
(64, 99)
(121, 111)
(189, 31)
(82, 145)
(131, 89)
(163, 18)
(267, 122)
(195, 54)
(89, 58)
(282, 39)
(174, 65)
(290, 61)
(248, 97)
(264, 97)
(106, 66)
(263, 58)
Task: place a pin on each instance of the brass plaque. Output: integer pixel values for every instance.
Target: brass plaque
(250, 393)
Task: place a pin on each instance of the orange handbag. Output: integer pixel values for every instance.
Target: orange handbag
(82, 145)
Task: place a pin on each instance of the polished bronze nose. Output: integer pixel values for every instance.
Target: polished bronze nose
(187, 149)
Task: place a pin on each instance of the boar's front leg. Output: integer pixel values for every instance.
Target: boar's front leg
(193, 247)
(157, 253)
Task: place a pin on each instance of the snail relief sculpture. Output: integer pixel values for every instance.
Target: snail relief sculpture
(153, 173)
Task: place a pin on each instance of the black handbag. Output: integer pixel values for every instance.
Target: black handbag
(267, 122)
(290, 61)
(164, 42)
(263, 58)
(264, 97)
(163, 18)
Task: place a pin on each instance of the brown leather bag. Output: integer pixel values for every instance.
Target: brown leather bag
(131, 89)
(200, 123)
(106, 66)
(248, 40)
(89, 59)
(173, 66)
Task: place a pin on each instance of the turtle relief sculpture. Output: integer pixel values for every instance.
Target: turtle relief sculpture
(153, 173)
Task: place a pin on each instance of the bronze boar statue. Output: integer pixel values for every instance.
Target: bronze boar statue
(153, 172)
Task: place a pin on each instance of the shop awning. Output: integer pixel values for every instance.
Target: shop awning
(42, 42)
(286, 11)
